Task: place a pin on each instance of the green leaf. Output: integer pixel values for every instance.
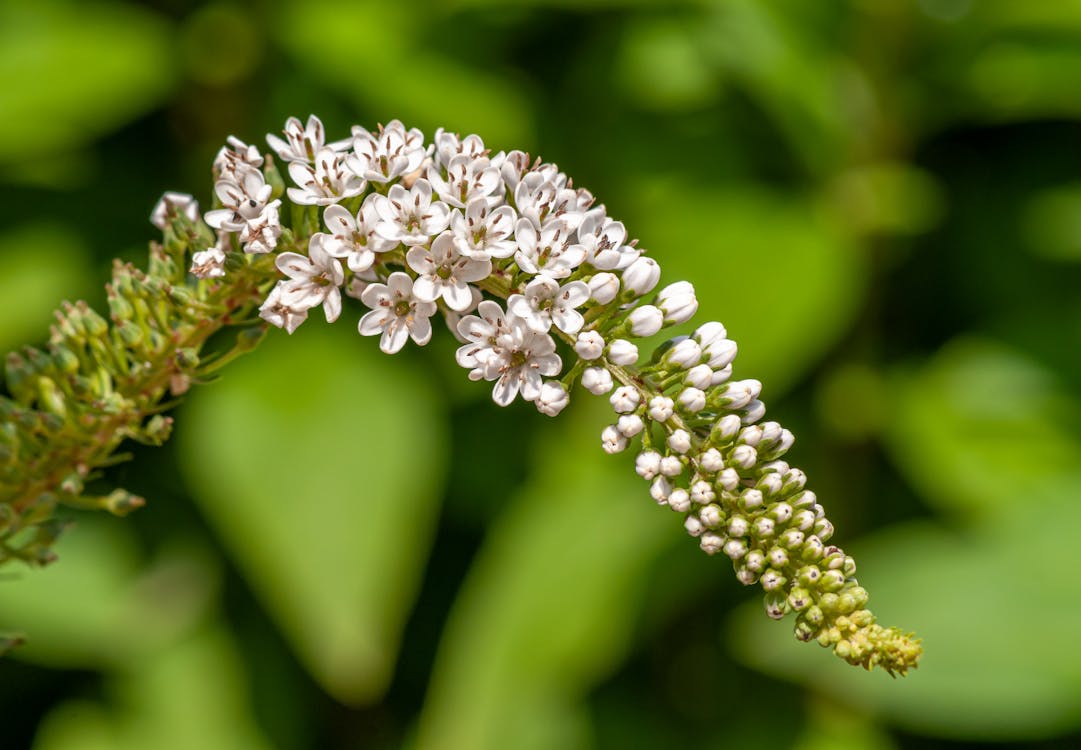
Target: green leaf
(981, 429)
(43, 264)
(781, 276)
(99, 605)
(1051, 223)
(550, 604)
(319, 462)
(189, 695)
(73, 71)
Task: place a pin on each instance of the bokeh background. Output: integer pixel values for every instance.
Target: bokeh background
(880, 198)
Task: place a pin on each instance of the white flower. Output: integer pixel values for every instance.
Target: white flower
(611, 440)
(679, 441)
(589, 346)
(553, 398)
(629, 425)
(597, 380)
(625, 399)
(468, 178)
(409, 215)
(354, 237)
(448, 145)
(604, 287)
(481, 333)
(384, 156)
(444, 273)
(174, 204)
(511, 165)
(313, 280)
(260, 235)
(396, 313)
(692, 400)
(242, 201)
(645, 320)
(602, 238)
(544, 303)
(301, 142)
(327, 181)
(642, 276)
(209, 263)
(678, 302)
(548, 252)
(236, 158)
(279, 314)
(622, 352)
(483, 231)
(648, 464)
(521, 357)
(660, 408)
(534, 197)
(685, 354)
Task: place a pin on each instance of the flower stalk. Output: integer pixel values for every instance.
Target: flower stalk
(527, 271)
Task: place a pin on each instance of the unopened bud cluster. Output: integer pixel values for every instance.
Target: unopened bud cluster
(543, 289)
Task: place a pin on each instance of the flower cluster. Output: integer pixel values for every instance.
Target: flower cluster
(545, 290)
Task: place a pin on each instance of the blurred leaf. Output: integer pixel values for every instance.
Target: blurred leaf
(887, 197)
(43, 264)
(1051, 223)
(980, 429)
(831, 726)
(1025, 79)
(662, 68)
(395, 73)
(97, 606)
(781, 277)
(319, 462)
(73, 71)
(191, 695)
(549, 605)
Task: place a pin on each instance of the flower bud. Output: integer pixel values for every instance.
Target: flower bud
(712, 515)
(603, 287)
(754, 412)
(625, 399)
(679, 441)
(724, 429)
(611, 440)
(711, 460)
(641, 276)
(679, 500)
(739, 393)
(648, 464)
(702, 492)
(622, 352)
(660, 490)
(629, 425)
(660, 408)
(553, 398)
(693, 525)
(671, 466)
(710, 543)
(692, 400)
(685, 354)
(645, 320)
(678, 302)
(728, 479)
(699, 376)
(720, 353)
(743, 457)
(707, 333)
(589, 346)
(597, 380)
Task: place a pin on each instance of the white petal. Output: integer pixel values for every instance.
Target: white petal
(372, 323)
(332, 305)
(426, 289)
(394, 336)
(505, 389)
(457, 296)
(421, 330)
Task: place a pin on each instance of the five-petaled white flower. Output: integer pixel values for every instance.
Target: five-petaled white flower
(481, 333)
(518, 361)
(447, 145)
(314, 280)
(327, 181)
(468, 178)
(544, 303)
(388, 154)
(279, 314)
(444, 273)
(410, 216)
(242, 201)
(484, 232)
(396, 313)
(549, 252)
(354, 237)
(301, 142)
(209, 263)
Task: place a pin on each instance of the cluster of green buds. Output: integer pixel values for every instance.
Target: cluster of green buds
(527, 270)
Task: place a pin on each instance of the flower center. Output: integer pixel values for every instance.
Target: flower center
(401, 308)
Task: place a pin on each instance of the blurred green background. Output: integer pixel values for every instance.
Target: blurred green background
(880, 198)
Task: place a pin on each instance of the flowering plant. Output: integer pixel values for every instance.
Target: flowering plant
(543, 289)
